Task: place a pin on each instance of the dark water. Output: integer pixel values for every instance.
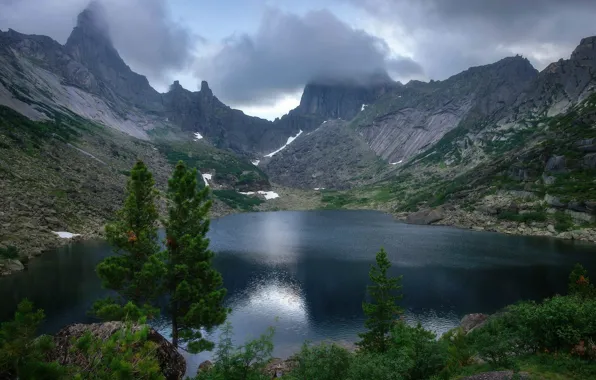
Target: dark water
(306, 272)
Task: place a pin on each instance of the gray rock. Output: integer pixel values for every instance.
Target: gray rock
(577, 206)
(548, 179)
(13, 265)
(554, 201)
(550, 228)
(590, 161)
(581, 216)
(472, 321)
(523, 195)
(425, 217)
(556, 164)
(171, 362)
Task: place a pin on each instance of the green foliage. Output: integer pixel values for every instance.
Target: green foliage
(237, 200)
(193, 285)
(495, 343)
(22, 354)
(240, 363)
(336, 200)
(459, 350)
(527, 217)
(126, 355)
(563, 221)
(135, 272)
(10, 253)
(383, 310)
(579, 283)
(321, 362)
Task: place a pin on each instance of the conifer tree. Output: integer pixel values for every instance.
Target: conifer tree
(383, 310)
(136, 269)
(193, 285)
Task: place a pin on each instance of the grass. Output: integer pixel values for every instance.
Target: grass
(237, 200)
(563, 222)
(532, 216)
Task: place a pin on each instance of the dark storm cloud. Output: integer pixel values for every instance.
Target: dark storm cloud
(289, 50)
(450, 35)
(142, 30)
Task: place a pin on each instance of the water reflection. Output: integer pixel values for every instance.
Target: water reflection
(305, 273)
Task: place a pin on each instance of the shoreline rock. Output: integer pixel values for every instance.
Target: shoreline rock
(171, 362)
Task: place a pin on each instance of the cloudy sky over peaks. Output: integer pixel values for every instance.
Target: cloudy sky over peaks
(258, 54)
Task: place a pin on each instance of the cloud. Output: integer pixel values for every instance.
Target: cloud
(447, 36)
(289, 50)
(143, 31)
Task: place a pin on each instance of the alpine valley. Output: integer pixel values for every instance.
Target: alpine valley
(500, 147)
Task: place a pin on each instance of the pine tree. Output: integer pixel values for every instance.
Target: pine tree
(383, 311)
(194, 286)
(136, 269)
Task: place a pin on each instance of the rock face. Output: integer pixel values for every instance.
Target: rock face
(473, 321)
(419, 114)
(425, 217)
(171, 362)
(332, 157)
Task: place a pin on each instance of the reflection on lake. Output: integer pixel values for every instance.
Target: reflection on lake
(306, 273)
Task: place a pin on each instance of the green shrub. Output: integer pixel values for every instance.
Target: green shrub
(237, 200)
(563, 221)
(246, 362)
(532, 216)
(495, 343)
(579, 283)
(9, 253)
(321, 362)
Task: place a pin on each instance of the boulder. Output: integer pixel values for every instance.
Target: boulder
(554, 201)
(278, 368)
(205, 366)
(590, 161)
(577, 206)
(425, 217)
(556, 164)
(548, 179)
(581, 216)
(12, 265)
(472, 321)
(171, 362)
(590, 207)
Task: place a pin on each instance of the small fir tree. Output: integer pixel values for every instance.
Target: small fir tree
(193, 285)
(383, 310)
(22, 352)
(137, 268)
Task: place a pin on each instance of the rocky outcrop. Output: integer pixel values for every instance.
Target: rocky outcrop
(419, 114)
(425, 217)
(472, 321)
(171, 362)
(498, 375)
(331, 157)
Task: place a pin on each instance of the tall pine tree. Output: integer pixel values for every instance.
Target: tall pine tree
(194, 286)
(383, 310)
(135, 272)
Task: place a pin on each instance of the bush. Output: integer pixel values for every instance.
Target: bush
(495, 343)
(579, 283)
(459, 350)
(246, 362)
(237, 200)
(563, 222)
(9, 253)
(321, 362)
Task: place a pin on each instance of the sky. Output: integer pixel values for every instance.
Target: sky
(257, 55)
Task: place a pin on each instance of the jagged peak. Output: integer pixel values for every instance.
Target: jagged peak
(93, 20)
(205, 90)
(376, 78)
(586, 49)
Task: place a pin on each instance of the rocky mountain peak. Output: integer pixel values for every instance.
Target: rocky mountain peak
(205, 90)
(586, 50)
(93, 20)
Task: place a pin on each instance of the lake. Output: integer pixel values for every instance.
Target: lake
(305, 273)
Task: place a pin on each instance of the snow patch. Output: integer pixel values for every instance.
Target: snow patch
(65, 235)
(206, 178)
(319, 188)
(267, 194)
(363, 107)
(256, 162)
(398, 162)
(198, 136)
(290, 139)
